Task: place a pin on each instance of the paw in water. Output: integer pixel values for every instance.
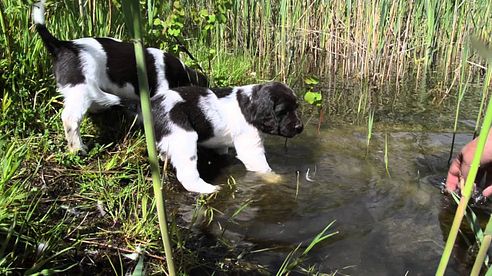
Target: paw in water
(271, 178)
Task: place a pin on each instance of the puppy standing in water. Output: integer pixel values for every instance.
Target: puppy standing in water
(220, 118)
(94, 74)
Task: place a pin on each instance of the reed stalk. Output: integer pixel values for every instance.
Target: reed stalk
(386, 158)
(461, 94)
(482, 252)
(485, 93)
(370, 125)
(132, 13)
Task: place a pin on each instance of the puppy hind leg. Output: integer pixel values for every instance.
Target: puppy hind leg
(77, 102)
(182, 149)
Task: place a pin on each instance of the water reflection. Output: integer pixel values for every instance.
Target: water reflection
(389, 225)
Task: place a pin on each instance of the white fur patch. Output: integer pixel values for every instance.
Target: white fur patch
(38, 12)
(163, 84)
(94, 63)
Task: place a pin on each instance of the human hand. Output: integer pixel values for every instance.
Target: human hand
(459, 168)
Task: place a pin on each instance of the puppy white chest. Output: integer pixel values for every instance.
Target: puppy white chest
(226, 119)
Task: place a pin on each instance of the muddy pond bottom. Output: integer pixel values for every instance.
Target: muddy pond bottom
(391, 220)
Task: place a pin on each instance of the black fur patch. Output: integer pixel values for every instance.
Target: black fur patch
(188, 114)
(121, 64)
(244, 103)
(176, 74)
(222, 92)
(67, 65)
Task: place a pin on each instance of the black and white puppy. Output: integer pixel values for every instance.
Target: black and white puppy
(93, 74)
(220, 118)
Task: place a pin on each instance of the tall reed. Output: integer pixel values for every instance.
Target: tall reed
(378, 39)
(482, 252)
(132, 12)
(463, 86)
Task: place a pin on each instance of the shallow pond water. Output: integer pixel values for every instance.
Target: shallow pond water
(388, 224)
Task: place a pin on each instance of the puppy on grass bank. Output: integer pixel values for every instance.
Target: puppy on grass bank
(94, 74)
(220, 118)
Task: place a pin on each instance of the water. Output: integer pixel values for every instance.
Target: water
(388, 224)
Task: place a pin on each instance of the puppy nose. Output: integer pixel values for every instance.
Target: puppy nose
(299, 127)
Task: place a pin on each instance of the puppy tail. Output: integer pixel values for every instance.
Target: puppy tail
(50, 42)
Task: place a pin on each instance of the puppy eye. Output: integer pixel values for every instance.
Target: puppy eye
(281, 112)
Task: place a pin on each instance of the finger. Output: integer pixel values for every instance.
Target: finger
(454, 173)
(487, 192)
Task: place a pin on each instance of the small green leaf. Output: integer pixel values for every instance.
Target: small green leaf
(203, 13)
(174, 32)
(211, 18)
(139, 269)
(157, 22)
(313, 98)
(311, 81)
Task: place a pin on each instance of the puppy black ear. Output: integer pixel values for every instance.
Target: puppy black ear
(262, 109)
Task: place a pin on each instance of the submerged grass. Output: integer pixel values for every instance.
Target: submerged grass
(293, 259)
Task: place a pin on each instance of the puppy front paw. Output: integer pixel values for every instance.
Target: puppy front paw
(201, 187)
(80, 149)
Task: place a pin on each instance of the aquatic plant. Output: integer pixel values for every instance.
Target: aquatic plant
(293, 259)
(463, 85)
(482, 252)
(370, 125)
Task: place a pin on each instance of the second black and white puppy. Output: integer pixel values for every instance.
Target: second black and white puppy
(220, 118)
(94, 74)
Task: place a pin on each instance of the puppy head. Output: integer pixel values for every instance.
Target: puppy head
(273, 110)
